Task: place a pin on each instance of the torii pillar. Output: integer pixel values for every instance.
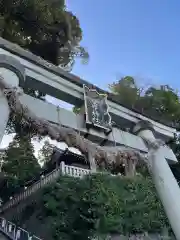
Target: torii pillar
(163, 178)
(13, 73)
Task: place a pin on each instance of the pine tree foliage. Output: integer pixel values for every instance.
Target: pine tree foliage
(19, 160)
(45, 152)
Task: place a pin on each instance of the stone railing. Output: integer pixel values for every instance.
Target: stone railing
(73, 171)
(63, 169)
(13, 232)
(16, 233)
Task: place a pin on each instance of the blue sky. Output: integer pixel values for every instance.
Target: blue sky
(140, 38)
(130, 37)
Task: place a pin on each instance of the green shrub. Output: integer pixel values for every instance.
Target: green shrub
(102, 204)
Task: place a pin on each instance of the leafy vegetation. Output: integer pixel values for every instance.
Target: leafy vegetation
(10, 186)
(50, 31)
(45, 153)
(97, 205)
(162, 103)
(19, 160)
(102, 204)
(44, 27)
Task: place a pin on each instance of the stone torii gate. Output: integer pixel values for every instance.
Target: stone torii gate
(20, 68)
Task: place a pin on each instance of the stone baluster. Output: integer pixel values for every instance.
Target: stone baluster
(92, 162)
(62, 166)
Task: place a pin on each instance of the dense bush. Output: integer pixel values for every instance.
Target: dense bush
(9, 186)
(101, 204)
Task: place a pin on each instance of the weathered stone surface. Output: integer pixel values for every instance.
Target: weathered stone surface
(2, 237)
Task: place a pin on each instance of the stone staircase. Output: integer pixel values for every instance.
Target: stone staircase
(8, 230)
(45, 180)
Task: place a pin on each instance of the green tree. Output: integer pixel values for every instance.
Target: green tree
(163, 102)
(126, 91)
(102, 205)
(48, 30)
(44, 27)
(45, 152)
(19, 159)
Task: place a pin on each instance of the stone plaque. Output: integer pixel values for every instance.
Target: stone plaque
(96, 109)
